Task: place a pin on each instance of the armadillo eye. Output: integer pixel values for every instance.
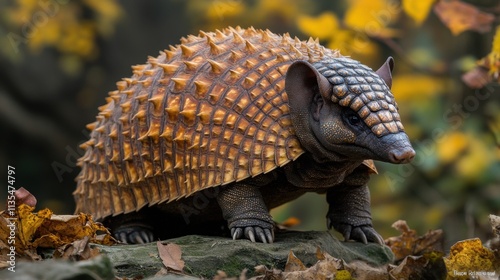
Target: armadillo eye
(353, 119)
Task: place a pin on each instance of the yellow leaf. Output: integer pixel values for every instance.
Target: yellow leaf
(494, 56)
(220, 9)
(355, 44)
(418, 9)
(322, 26)
(496, 42)
(474, 163)
(372, 17)
(451, 146)
(30, 222)
(409, 86)
(469, 255)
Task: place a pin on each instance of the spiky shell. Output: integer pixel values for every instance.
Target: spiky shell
(204, 113)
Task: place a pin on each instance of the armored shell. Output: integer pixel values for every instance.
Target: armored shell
(204, 113)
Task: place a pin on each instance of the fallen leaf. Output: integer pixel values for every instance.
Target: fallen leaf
(495, 224)
(494, 243)
(410, 244)
(459, 16)
(327, 267)
(470, 256)
(361, 270)
(418, 10)
(319, 254)
(170, 255)
(64, 229)
(430, 266)
(28, 223)
(76, 251)
(293, 263)
(44, 229)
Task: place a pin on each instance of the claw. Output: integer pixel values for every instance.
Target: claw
(372, 235)
(329, 223)
(237, 233)
(269, 235)
(357, 233)
(122, 236)
(249, 233)
(347, 233)
(146, 236)
(260, 234)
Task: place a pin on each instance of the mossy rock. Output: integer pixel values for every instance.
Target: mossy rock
(204, 255)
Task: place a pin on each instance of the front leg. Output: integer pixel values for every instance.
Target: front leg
(246, 213)
(349, 213)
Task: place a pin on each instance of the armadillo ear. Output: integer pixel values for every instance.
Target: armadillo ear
(301, 81)
(385, 71)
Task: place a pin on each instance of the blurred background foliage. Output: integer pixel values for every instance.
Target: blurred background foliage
(59, 58)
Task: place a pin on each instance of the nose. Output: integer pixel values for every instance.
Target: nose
(402, 155)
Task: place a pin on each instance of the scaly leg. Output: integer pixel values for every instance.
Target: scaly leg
(349, 213)
(246, 213)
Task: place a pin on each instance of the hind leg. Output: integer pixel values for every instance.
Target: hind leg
(133, 228)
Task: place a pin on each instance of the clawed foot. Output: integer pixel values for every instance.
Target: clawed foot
(363, 233)
(263, 235)
(134, 234)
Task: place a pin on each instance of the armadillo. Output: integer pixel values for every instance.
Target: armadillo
(210, 135)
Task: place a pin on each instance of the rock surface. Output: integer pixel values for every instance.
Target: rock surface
(204, 255)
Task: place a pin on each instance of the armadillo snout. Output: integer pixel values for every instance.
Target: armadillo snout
(404, 155)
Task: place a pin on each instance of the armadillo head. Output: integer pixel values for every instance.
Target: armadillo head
(341, 107)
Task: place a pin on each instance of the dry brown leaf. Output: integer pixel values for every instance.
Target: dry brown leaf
(495, 224)
(43, 229)
(459, 16)
(293, 263)
(362, 271)
(319, 254)
(429, 266)
(64, 229)
(170, 255)
(410, 244)
(76, 251)
(327, 267)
